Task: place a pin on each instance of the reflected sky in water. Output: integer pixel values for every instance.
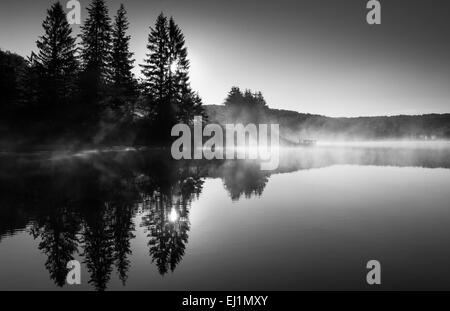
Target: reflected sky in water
(138, 220)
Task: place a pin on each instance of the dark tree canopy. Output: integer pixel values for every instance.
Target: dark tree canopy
(122, 58)
(248, 99)
(235, 97)
(49, 82)
(156, 64)
(56, 59)
(88, 94)
(169, 97)
(188, 103)
(12, 67)
(96, 41)
(247, 107)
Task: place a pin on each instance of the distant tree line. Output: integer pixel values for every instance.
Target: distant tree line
(87, 93)
(246, 107)
(296, 126)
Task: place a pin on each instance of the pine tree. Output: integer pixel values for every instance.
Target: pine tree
(166, 72)
(157, 64)
(122, 58)
(124, 86)
(96, 75)
(178, 80)
(259, 100)
(51, 81)
(96, 41)
(247, 107)
(155, 71)
(248, 99)
(186, 102)
(235, 97)
(56, 60)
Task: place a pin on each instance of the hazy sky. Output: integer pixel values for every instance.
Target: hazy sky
(315, 56)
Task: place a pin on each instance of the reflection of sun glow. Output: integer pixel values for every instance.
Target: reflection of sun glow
(173, 216)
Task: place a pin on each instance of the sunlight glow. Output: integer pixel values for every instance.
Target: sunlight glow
(173, 67)
(173, 216)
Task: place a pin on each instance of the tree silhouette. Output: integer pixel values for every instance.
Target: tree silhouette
(98, 239)
(12, 68)
(56, 60)
(58, 234)
(54, 70)
(191, 105)
(51, 100)
(170, 191)
(244, 178)
(155, 71)
(96, 41)
(122, 229)
(170, 98)
(156, 64)
(188, 104)
(259, 100)
(235, 97)
(168, 225)
(89, 95)
(96, 58)
(247, 107)
(124, 85)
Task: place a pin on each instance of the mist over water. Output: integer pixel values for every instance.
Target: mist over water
(137, 219)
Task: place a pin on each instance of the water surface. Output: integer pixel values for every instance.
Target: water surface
(138, 220)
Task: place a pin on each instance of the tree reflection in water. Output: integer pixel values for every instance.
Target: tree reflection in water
(86, 207)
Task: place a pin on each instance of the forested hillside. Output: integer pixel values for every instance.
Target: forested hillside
(295, 126)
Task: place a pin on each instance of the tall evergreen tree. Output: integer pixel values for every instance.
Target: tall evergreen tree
(186, 102)
(247, 107)
(166, 72)
(157, 63)
(56, 66)
(122, 58)
(155, 71)
(96, 41)
(58, 235)
(235, 97)
(190, 105)
(248, 98)
(178, 80)
(259, 100)
(96, 75)
(56, 59)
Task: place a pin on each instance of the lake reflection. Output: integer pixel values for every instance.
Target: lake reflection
(140, 220)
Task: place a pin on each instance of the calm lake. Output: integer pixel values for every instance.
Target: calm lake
(138, 220)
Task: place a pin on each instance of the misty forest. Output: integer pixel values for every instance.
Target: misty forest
(87, 94)
(69, 95)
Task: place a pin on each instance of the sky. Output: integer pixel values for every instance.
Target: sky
(311, 56)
